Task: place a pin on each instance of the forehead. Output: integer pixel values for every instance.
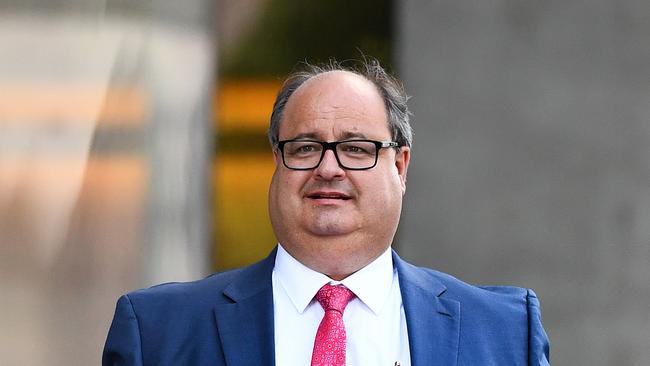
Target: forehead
(333, 105)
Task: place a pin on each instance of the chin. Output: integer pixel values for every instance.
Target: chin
(329, 229)
(330, 222)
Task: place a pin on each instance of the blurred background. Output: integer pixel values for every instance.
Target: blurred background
(133, 152)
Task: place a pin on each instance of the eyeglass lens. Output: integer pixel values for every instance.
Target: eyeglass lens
(351, 154)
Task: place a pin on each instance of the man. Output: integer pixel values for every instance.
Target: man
(332, 292)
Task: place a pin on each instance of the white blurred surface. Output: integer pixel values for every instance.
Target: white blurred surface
(104, 136)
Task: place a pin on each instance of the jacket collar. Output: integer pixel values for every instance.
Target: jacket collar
(246, 318)
(433, 321)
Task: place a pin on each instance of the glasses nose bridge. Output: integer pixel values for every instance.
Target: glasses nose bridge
(329, 146)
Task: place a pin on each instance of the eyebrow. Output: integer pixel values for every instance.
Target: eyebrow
(345, 136)
(307, 135)
(350, 135)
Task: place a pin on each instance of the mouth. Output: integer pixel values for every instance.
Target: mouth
(328, 196)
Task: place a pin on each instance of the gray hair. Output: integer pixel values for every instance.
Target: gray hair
(390, 89)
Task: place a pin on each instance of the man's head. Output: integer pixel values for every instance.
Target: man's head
(331, 218)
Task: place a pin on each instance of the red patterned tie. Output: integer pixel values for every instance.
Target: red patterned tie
(329, 346)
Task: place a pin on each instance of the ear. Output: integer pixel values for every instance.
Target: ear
(276, 157)
(402, 160)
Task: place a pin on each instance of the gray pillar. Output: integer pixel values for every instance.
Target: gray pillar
(531, 163)
(180, 74)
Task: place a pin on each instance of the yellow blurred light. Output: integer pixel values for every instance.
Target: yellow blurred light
(70, 104)
(245, 104)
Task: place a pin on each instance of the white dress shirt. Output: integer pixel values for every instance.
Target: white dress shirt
(374, 321)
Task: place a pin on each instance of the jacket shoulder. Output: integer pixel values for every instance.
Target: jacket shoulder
(483, 308)
(206, 289)
(497, 323)
(166, 323)
(481, 294)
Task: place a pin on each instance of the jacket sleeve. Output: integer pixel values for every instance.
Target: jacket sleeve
(538, 344)
(123, 344)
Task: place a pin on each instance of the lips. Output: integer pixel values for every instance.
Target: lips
(321, 195)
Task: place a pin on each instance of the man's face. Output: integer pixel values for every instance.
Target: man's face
(333, 220)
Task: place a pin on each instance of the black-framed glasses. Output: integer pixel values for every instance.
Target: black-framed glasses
(350, 154)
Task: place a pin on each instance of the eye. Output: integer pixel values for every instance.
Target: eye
(357, 148)
(352, 148)
(304, 149)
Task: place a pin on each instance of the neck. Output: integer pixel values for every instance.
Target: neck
(337, 258)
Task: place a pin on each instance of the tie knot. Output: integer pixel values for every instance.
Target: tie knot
(334, 297)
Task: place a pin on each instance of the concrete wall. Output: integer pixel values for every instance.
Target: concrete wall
(532, 160)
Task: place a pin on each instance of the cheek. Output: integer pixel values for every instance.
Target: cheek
(289, 185)
(383, 190)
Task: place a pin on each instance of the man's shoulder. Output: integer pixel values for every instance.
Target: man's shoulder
(501, 324)
(192, 293)
(461, 289)
(480, 298)
(206, 292)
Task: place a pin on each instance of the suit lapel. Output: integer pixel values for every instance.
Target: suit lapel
(433, 322)
(245, 320)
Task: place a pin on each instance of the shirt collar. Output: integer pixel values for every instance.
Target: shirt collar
(372, 284)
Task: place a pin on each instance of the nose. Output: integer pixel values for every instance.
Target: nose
(329, 168)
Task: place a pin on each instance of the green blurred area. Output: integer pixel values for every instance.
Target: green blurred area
(291, 31)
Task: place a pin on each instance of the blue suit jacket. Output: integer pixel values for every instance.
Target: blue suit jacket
(227, 319)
